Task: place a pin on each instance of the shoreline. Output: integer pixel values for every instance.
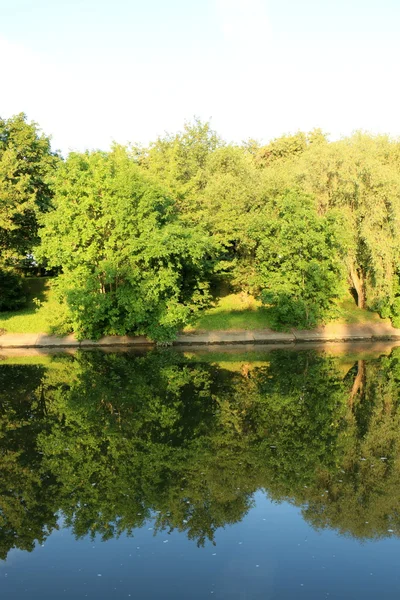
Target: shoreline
(331, 333)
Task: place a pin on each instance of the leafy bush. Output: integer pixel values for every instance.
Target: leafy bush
(129, 265)
(298, 266)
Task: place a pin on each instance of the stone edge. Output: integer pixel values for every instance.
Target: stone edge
(197, 340)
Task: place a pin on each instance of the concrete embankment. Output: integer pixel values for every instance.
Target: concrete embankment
(326, 334)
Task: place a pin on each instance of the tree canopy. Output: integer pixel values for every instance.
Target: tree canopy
(26, 164)
(26, 161)
(128, 263)
(140, 235)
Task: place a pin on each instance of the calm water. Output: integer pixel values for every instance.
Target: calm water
(272, 475)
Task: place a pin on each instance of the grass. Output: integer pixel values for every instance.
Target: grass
(230, 313)
(43, 359)
(38, 313)
(350, 314)
(242, 311)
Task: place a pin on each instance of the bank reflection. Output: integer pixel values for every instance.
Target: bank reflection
(113, 441)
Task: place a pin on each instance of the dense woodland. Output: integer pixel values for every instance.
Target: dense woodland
(142, 238)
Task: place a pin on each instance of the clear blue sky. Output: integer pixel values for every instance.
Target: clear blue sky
(92, 71)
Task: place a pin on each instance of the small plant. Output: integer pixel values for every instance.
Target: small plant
(37, 302)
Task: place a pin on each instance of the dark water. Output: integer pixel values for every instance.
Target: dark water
(253, 476)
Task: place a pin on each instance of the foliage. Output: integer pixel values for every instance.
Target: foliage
(115, 440)
(360, 177)
(128, 263)
(12, 293)
(232, 190)
(297, 259)
(289, 146)
(178, 160)
(26, 161)
(142, 234)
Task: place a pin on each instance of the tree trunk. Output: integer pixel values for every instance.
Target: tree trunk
(359, 381)
(357, 279)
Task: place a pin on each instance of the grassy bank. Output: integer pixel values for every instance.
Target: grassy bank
(38, 313)
(235, 311)
(230, 313)
(242, 311)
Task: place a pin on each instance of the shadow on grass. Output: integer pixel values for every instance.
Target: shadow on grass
(242, 311)
(35, 288)
(35, 314)
(259, 318)
(349, 313)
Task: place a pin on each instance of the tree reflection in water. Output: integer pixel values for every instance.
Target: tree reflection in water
(115, 440)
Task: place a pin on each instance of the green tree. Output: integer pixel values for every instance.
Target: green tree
(178, 160)
(297, 259)
(26, 162)
(128, 263)
(288, 147)
(232, 191)
(360, 177)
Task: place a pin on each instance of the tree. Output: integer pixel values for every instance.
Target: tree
(360, 177)
(288, 147)
(297, 259)
(177, 160)
(231, 192)
(26, 161)
(128, 263)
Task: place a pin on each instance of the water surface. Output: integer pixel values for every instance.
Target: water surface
(164, 475)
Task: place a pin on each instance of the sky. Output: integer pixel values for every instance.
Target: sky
(93, 71)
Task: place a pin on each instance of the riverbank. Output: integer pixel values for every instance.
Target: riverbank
(235, 312)
(329, 333)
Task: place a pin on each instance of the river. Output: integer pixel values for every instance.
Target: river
(270, 474)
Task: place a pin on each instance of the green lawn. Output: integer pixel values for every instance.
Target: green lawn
(37, 316)
(349, 314)
(232, 312)
(236, 311)
(242, 311)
